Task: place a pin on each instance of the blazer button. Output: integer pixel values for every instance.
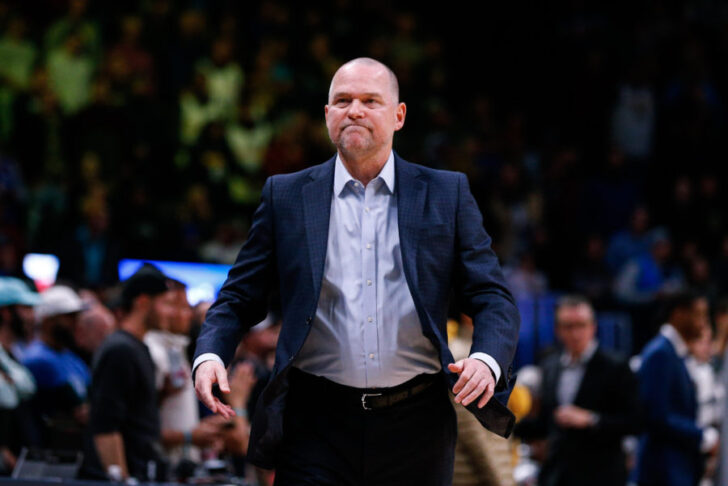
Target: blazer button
(308, 320)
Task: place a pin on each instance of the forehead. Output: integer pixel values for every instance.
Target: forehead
(361, 78)
(570, 315)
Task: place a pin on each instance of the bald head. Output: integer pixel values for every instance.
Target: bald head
(368, 61)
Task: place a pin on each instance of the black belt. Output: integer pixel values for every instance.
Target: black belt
(362, 398)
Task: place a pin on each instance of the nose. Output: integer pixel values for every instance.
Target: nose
(355, 109)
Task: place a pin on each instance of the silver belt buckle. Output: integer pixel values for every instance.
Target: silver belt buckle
(364, 397)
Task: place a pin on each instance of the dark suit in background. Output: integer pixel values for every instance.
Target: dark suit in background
(592, 456)
(669, 451)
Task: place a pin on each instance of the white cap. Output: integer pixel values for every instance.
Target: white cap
(58, 300)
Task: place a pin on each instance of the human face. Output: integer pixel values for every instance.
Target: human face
(182, 320)
(161, 311)
(363, 114)
(575, 328)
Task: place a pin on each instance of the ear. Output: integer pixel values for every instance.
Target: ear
(400, 115)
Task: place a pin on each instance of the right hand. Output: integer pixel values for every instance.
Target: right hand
(208, 373)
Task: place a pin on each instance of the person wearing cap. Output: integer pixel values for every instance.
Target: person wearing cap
(124, 426)
(17, 385)
(62, 377)
(16, 309)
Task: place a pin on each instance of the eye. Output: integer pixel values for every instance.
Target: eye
(341, 101)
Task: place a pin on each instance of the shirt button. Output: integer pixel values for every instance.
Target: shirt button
(371, 355)
(369, 282)
(366, 210)
(369, 246)
(370, 319)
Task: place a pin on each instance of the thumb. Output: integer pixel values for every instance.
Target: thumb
(456, 367)
(222, 380)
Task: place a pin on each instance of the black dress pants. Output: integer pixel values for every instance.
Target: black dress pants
(329, 439)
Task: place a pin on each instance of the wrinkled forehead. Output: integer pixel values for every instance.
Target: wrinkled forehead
(356, 79)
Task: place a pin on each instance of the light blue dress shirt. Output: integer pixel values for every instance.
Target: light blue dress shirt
(366, 332)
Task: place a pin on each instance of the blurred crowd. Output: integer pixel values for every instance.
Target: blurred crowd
(76, 375)
(591, 136)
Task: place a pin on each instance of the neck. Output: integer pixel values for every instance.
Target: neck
(134, 325)
(48, 340)
(364, 168)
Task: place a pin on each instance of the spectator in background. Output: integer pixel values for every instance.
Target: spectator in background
(17, 385)
(224, 79)
(670, 449)
(588, 405)
(630, 243)
(19, 55)
(62, 377)
(123, 437)
(649, 275)
(710, 393)
(18, 313)
(182, 433)
(70, 71)
(92, 328)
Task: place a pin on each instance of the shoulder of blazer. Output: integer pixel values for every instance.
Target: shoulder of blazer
(303, 176)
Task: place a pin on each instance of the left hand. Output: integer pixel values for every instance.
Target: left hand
(571, 416)
(476, 380)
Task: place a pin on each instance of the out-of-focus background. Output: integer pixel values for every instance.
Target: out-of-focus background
(593, 136)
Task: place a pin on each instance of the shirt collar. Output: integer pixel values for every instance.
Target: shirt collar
(342, 176)
(675, 339)
(566, 359)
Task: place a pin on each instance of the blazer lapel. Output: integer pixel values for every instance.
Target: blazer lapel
(411, 190)
(316, 212)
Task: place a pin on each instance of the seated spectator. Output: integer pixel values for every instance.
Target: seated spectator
(16, 382)
(123, 438)
(62, 377)
(631, 242)
(588, 405)
(649, 275)
(670, 450)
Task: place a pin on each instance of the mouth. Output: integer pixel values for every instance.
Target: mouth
(354, 126)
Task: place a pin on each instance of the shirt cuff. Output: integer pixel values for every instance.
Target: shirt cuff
(485, 358)
(710, 438)
(206, 357)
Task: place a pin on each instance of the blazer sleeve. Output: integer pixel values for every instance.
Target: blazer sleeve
(242, 301)
(661, 420)
(481, 288)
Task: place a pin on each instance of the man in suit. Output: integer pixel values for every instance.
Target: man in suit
(588, 404)
(365, 250)
(671, 449)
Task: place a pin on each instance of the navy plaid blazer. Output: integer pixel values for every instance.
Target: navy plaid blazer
(444, 249)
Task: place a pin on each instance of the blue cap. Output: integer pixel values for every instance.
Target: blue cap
(13, 291)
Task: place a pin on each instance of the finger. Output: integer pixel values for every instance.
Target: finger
(477, 391)
(456, 367)
(224, 409)
(469, 387)
(487, 395)
(203, 386)
(465, 377)
(222, 380)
